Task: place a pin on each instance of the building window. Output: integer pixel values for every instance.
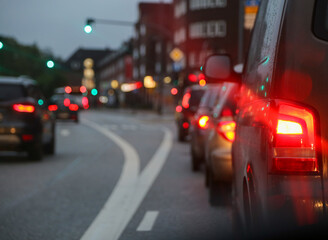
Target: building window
(142, 50)
(180, 36)
(143, 30)
(180, 9)
(142, 70)
(135, 53)
(158, 67)
(158, 47)
(209, 29)
(135, 73)
(206, 4)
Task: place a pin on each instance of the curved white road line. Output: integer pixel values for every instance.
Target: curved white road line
(130, 189)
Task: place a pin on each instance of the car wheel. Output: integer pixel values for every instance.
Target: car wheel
(219, 193)
(36, 152)
(206, 176)
(195, 163)
(50, 147)
(181, 136)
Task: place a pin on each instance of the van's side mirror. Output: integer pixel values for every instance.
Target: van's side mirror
(219, 68)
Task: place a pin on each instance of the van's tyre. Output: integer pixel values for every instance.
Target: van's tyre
(51, 146)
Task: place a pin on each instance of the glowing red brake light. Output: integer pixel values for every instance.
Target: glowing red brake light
(203, 122)
(295, 140)
(67, 102)
(227, 130)
(178, 109)
(53, 107)
(73, 107)
(26, 108)
(185, 100)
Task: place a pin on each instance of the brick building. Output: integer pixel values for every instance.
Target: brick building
(152, 44)
(203, 27)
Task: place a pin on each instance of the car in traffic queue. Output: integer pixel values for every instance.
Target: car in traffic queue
(200, 125)
(64, 107)
(280, 152)
(218, 159)
(189, 105)
(26, 125)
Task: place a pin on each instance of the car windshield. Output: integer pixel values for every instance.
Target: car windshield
(10, 92)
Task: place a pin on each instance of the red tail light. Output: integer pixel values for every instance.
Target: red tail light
(27, 137)
(185, 100)
(67, 102)
(53, 107)
(185, 125)
(226, 112)
(203, 122)
(73, 107)
(227, 130)
(26, 108)
(295, 140)
(178, 109)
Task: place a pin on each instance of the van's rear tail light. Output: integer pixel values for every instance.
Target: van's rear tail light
(227, 129)
(226, 112)
(185, 100)
(53, 107)
(203, 122)
(295, 140)
(26, 108)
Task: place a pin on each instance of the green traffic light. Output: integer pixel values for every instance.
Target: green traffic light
(50, 64)
(1, 45)
(88, 29)
(94, 92)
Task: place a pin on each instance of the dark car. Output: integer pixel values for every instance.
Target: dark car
(218, 163)
(25, 122)
(200, 126)
(280, 151)
(190, 101)
(64, 107)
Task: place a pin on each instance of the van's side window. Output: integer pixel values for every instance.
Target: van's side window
(260, 62)
(320, 23)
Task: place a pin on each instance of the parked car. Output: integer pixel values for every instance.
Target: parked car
(280, 151)
(64, 107)
(26, 125)
(200, 125)
(218, 164)
(190, 101)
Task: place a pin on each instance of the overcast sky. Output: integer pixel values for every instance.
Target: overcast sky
(57, 25)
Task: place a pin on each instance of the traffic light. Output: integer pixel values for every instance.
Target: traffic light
(88, 27)
(1, 45)
(50, 64)
(94, 92)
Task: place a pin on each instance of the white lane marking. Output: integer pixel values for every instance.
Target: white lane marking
(148, 221)
(65, 132)
(127, 195)
(107, 223)
(111, 127)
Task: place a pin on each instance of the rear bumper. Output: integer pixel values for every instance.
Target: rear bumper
(221, 163)
(295, 200)
(19, 137)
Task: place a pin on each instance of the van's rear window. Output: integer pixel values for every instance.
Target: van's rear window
(320, 20)
(10, 92)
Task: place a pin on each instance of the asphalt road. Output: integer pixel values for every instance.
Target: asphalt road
(115, 175)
